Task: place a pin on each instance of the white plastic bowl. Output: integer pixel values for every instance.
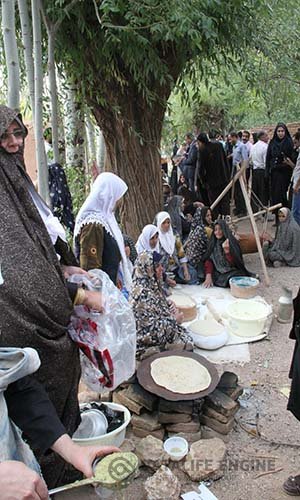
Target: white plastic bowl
(247, 318)
(113, 438)
(208, 334)
(176, 443)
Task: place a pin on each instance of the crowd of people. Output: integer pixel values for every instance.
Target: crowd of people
(186, 243)
(205, 164)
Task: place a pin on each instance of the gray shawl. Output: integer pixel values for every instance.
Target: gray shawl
(286, 246)
(35, 307)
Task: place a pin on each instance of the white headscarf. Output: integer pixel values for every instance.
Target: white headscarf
(143, 242)
(99, 208)
(53, 225)
(166, 240)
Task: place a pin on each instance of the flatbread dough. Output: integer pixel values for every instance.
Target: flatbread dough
(206, 327)
(180, 374)
(182, 300)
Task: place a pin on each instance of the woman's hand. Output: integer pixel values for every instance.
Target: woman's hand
(198, 204)
(208, 283)
(287, 161)
(171, 282)
(19, 482)
(172, 306)
(266, 237)
(93, 300)
(186, 275)
(81, 457)
(179, 317)
(69, 270)
(225, 246)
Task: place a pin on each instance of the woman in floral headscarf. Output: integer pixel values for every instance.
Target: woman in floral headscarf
(196, 244)
(156, 319)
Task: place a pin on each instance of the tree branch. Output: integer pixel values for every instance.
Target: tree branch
(97, 13)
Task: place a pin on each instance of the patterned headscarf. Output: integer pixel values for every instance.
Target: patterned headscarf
(196, 244)
(154, 323)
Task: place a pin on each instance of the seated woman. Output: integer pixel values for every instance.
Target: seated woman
(174, 259)
(180, 224)
(98, 239)
(148, 239)
(157, 321)
(223, 258)
(207, 220)
(283, 250)
(196, 244)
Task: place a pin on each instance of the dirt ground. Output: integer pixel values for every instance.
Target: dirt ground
(263, 378)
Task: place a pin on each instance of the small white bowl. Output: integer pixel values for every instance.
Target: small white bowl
(176, 447)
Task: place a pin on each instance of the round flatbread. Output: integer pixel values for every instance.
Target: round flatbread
(206, 327)
(182, 300)
(180, 374)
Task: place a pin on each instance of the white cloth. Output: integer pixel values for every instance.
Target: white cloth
(143, 242)
(99, 208)
(296, 172)
(258, 155)
(53, 226)
(249, 147)
(14, 364)
(166, 239)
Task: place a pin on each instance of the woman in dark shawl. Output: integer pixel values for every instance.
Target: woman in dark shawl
(292, 484)
(223, 258)
(283, 250)
(35, 305)
(278, 170)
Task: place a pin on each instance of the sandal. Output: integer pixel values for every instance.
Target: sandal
(292, 486)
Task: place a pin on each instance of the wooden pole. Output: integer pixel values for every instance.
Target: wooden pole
(261, 212)
(225, 190)
(254, 226)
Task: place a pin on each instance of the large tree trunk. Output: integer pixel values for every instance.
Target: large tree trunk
(133, 152)
(11, 53)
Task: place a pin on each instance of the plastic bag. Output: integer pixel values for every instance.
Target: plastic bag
(107, 341)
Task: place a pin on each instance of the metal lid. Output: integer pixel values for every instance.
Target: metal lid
(93, 424)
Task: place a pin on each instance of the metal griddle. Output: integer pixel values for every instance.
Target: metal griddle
(147, 382)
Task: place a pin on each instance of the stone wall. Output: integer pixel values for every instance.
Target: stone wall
(293, 128)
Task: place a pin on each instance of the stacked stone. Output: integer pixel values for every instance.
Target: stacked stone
(155, 416)
(221, 405)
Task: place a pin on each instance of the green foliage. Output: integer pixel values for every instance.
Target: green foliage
(112, 45)
(260, 89)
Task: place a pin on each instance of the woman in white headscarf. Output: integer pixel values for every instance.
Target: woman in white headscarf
(98, 239)
(170, 247)
(148, 240)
